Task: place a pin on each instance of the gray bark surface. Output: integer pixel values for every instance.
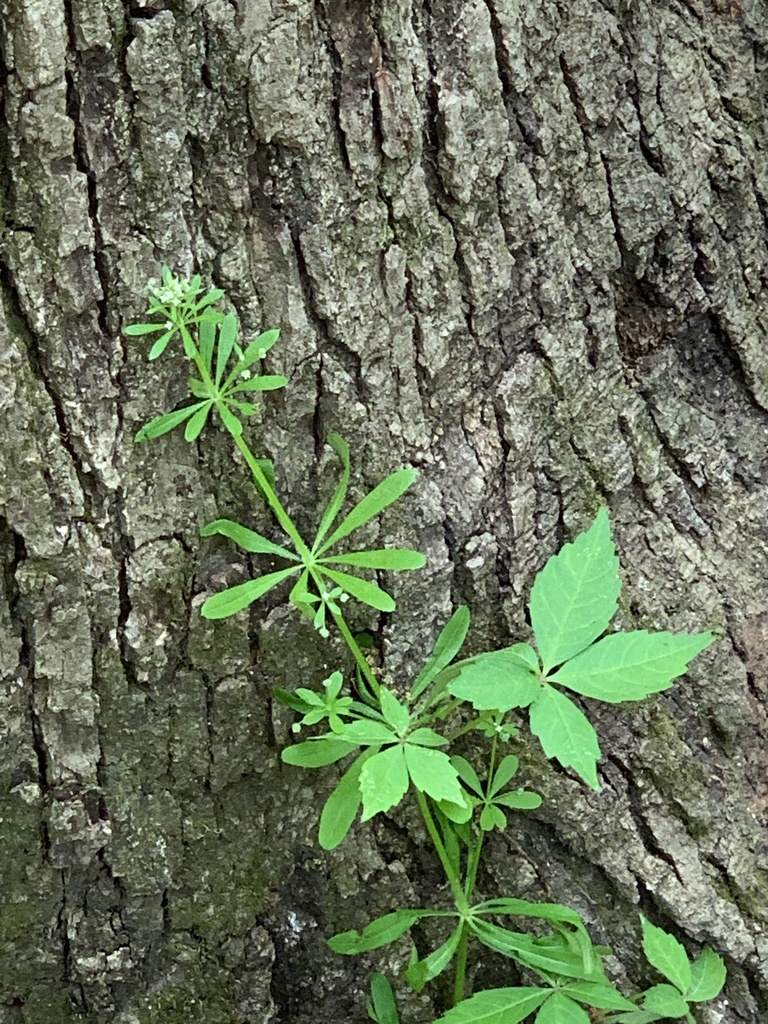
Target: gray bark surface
(518, 244)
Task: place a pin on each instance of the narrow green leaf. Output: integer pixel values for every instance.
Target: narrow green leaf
(162, 424)
(382, 1007)
(431, 771)
(206, 333)
(365, 732)
(447, 646)
(247, 539)
(387, 558)
(266, 383)
(378, 933)
(161, 344)
(384, 494)
(234, 599)
(196, 423)
(707, 977)
(134, 330)
(494, 681)
(207, 300)
(504, 773)
(575, 595)
(467, 774)
(316, 753)
(556, 913)
(198, 388)
(629, 666)
(604, 996)
(520, 800)
(255, 351)
(419, 973)
(457, 813)
(565, 734)
(383, 781)
(366, 592)
(342, 805)
(559, 1009)
(188, 343)
(227, 335)
(497, 1006)
(394, 712)
(232, 423)
(549, 956)
(666, 1001)
(341, 448)
(427, 738)
(667, 955)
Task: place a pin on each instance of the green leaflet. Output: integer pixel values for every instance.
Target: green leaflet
(383, 781)
(559, 1009)
(575, 595)
(604, 997)
(565, 734)
(497, 1006)
(387, 558)
(378, 933)
(431, 771)
(382, 1007)
(446, 648)
(630, 666)
(342, 805)
(422, 971)
(384, 494)
(364, 591)
(665, 1001)
(234, 599)
(667, 955)
(317, 753)
(707, 977)
(247, 539)
(162, 424)
(496, 681)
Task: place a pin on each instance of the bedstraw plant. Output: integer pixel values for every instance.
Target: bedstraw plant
(394, 743)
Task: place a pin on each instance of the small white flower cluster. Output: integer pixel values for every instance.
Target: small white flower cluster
(172, 292)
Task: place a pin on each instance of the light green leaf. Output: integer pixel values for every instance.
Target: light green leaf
(446, 648)
(378, 933)
(232, 423)
(207, 300)
(496, 680)
(198, 388)
(388, 491)
(707, 977)
(365, 732)
(457, 813)
(382, 1007)
(559, 1009)
(497, 1006)
(604, 997)
(396, 714)
(265, 383)
(629, 666)
(383, 781)
(342, 805)
(364, 591)
(247, 539)
(565, 734)
(667, 955)
(196, 423)
(387, 558)
(492, 817)
(666, 1001)
(234, 599)
(419, 973)
(551, 956)
(467, 774)
(316, 753)
(255, 351)
(162, 424)
(431, 771)
(427, 738)
(341, 448)
(188, 343)
(227, 335)
(575, 595)
(520, 800)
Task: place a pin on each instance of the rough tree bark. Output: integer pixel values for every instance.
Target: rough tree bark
(519, 244)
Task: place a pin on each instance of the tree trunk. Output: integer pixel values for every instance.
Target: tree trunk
(518, 244)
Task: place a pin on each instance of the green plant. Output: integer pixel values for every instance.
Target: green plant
(394, 743)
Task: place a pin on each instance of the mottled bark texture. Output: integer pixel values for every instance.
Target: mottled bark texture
(519, 244)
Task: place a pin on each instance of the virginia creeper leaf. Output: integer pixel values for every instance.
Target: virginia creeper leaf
(383, 781)
(497, 680)
(667, 955)
(559, 1009)
(575, 595)
(565, 734)
(665, 1000)
(707, 977)
(431, 771)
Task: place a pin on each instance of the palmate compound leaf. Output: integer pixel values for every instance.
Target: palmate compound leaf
(497, 1006)
(629, 666)
(383, 781)
(565, 734)
(575, 595)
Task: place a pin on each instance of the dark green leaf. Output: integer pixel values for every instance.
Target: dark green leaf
(206, 332)
(197, 422)
(419, 973)
(467, 774)
(575, 595)
(505, 772)
(198, 388)
(382, 1007)
(227, 335)
(342, 805)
